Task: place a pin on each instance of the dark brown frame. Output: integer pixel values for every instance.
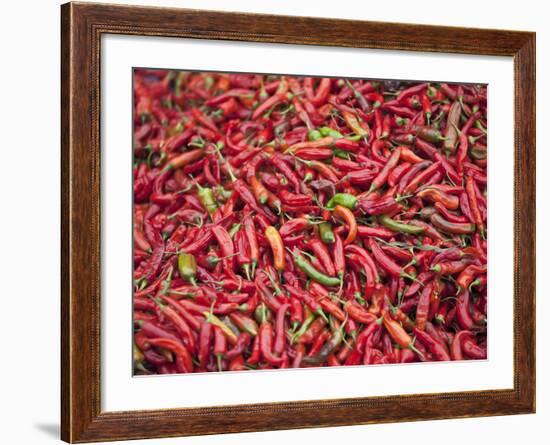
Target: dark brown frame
(81, 27)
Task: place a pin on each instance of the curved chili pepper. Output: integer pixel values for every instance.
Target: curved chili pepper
(266, 342)
(348, 216)
(474, 206)
(451, 227)
(279, 96)
(422, 177)
(184, 159)
(468, 274)
(438, 351)
(463, 316)
(451, 133)
(456, 345)
(328, 348)
(439, 196)
(473, 351)
(313, 273)
(322, 254)
(397, 226)
(184, 362)
(358, 313)
(398, 334)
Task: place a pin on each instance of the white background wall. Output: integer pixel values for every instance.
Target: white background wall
(29, 225)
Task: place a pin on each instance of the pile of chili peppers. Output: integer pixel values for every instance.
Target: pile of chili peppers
(287, 221)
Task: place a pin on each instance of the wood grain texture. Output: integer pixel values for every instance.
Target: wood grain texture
(81, 27)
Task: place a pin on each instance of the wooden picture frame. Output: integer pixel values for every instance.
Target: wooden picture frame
(82, 26)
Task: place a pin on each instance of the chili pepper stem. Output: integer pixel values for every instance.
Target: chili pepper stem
(253, 270)
(246, 268)
(414, 349)
(322, 314)
(224, 161)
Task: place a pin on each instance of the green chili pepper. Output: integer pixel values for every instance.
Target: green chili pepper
(480, 127)
(327, 131)
(343, 199)
(339, 153)
(207, 199)
(305, 326)
(478, 152)
(229, 323)
(314, 135)
(228, 332)
(313, 273)
(222, 193)
(397, 226)
(326, 349)
(138, 355)
(261, 313)
(447, 226)
(138, 361)
(326, 233)
(451, 135)
(234, 229)
(430, 134)
(187, 266)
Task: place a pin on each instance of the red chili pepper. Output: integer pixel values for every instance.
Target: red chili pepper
(313, 331)
(277, 247)
(338, 256)
(296, 312)
(255, 355)
(473, 351)
(220, 346)
(463, 316)
(474, 206)
(358, 313)
(438, 351)
(279, 96)
(456, 345)
(398, 334)
(266, 343)
(439, 196)
(422, 177)
(423, 306)
(321, 252)
(184, 362)
(349, 218)
(280, 338)
(467, 275)
(380, 180)
(385, 262)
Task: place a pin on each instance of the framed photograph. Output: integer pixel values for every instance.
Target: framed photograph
(275, 222)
